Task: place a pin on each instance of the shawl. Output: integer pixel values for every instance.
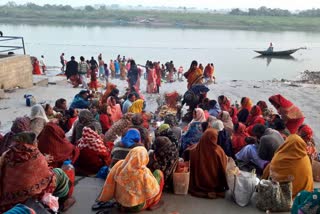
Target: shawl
(118, 128)
(192, 136)
(137, 106)
(131, 138)
(199, 116)
(130, 182)
(292, 162)
(306, 133)
(214, 108)
(238, 137)
(227, 122)
(114, 110)
(285, 108)
(79, 102)
(233, 111)
(85, 119)
(208, 164)
(166, 156)
(91, 140)
(37, 111)
(20, 124)
(106, 94)
(224, 103)
(23, 159)
(53, 141)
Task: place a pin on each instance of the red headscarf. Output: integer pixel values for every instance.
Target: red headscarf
(238, 138)
(233, 111)
(52, 140)
(224, 103)
(255, 113)
(305, 133)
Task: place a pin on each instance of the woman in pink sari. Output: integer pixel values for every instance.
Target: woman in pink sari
(152, 80)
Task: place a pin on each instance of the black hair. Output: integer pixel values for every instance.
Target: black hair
(236, 126)
(212, 103)
(81, 58)
(70, 112)
(194, 63)
(72, 58)
(130, 95)
(59, 102)
(204, 126)
(259, 129)
(279, 124)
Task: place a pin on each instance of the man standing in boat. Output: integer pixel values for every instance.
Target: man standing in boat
(270, 49)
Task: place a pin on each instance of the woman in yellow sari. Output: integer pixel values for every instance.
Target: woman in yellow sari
(137, 106)
(194, 75)
(132, 184)
(291, 161)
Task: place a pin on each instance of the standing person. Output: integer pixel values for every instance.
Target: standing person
(117, 68)
(43, 65)
(106, 73)
(93, 81)
(72, 72)
(112, 69)
(194, 75)
(212, 78)
(62, 61)
(133, 74)
(101, 67)
(36, 66)
(158, 76)
(151, 80)
(82, 69)
(206, 72)
(180, 72)
(93, 65)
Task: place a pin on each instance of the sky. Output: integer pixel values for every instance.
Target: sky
(212, 4)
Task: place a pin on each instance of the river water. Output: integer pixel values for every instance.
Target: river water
(231, 51)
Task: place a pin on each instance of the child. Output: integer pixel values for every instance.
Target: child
(73, 116)
(105, 119)
(94, 81)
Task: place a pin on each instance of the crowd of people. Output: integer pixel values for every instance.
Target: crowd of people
(113, 136)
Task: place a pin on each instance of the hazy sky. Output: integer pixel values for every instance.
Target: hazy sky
(212, 4)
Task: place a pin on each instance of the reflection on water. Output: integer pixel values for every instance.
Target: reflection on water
(270, 58)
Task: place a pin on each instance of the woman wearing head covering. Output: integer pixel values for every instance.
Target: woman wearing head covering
(38, 119)
(114, 109)
(52, 141)
(291, 114)
(118, 128)
(108, 91)
(130, 139)
(132, 184)
(227, 122)
(238, 137)
(85, 119)
(137, 123)
(93, 153)
(224, 103)
(24, 160)
(291, 161)
(214, 108)
(198, 116)
(165, 157)
(171, 120)
(246, 105)
(194, 75)
(224, 139)
(208, 164)
(266, 113)
(164, 130)
(306, 133)
(137, 106)
(233, 111)
(20, 124)
(255, 117)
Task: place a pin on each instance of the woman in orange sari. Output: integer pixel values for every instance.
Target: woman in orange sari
(132, 184)
(151, 80)
(194, 75)
(245, 109)
(107, 93)
(291, 161)
(291, 114)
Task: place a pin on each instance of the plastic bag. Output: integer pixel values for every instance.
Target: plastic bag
(51, 201)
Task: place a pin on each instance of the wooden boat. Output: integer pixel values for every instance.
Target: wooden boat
(277, 53)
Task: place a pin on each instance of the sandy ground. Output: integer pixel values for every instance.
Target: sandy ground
(303, 95)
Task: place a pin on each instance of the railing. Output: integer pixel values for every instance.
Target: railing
(8, 48)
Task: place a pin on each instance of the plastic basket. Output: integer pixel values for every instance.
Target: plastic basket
(181, 183)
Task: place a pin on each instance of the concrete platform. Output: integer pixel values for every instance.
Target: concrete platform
(87, 190)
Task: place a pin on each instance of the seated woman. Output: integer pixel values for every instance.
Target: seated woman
(224, 103)
(233, 114)
(238, 137)
(164, 130)
(81, 100)
(20, 124)
(227, 121)
(266, 112)
(214, 108)
(52, 141)
(131, 139)
(208, 164)
(171, 120)
(132, 184)
(137, 123)
(291, 114)
(192, 136)
(137, 106)
(38, 119)
(244, 111)
(105, 119)
(118, 128)
(291, 162)
(165, 157)
(25, 160)
(85, 119)
(255, 117)
(93, 153)
(114, 109)
(306, 133)
(224, 139)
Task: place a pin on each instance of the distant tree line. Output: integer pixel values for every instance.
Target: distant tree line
(264, 11)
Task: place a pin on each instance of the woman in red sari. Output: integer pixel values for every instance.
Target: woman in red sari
(224, 103)
(238, 137)
(36, 66)
(52, 141)
(291, 114)
(255, 117)
(152, 80)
